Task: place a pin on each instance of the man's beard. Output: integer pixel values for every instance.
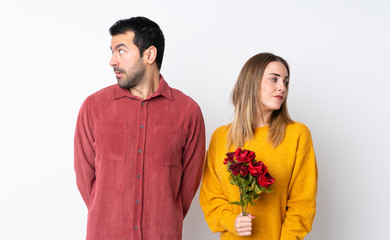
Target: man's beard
(133, 78)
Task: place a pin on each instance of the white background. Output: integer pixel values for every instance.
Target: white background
(53, 55)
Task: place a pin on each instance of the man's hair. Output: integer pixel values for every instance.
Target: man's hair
(146, 33)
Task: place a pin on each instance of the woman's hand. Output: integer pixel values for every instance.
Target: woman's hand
(243, 224)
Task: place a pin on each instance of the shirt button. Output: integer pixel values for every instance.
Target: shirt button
(135, 227)
(143, 103)
(138, 176)
(142, 126)
(137, 202)
(139, 151)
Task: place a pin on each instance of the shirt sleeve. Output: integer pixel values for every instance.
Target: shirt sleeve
(84, 154)
(219, 214)
(301, 203)
(193, 157)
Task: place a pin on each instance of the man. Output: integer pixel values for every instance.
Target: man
(139, 144)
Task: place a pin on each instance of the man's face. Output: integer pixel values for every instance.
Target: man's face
(128, 65)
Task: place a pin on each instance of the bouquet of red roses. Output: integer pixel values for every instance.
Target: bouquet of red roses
(251, 177)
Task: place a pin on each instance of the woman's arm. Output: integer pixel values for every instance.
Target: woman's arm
(301, 203)
(219, 214)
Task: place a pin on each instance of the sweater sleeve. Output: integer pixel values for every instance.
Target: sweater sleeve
(219, 214)
(301, 203)
(84, 154)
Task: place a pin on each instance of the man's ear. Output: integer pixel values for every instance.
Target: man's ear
(150, 54)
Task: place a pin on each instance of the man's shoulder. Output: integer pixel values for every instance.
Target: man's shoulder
(185, 100)
(104, 93)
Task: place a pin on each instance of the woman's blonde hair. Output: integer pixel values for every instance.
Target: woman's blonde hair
(246, 99)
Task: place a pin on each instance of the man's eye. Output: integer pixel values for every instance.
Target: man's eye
(121, 51)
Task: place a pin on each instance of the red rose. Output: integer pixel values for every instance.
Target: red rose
(230, 158)
(240, 163)
(235, 168)
(265, 180)
(257, 169)
(244, 156)
(243, 170)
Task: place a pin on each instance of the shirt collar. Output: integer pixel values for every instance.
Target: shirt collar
(163, 90)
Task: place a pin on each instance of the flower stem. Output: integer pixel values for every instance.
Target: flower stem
(242, 208)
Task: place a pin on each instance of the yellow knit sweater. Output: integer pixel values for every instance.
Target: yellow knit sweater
(286, 213)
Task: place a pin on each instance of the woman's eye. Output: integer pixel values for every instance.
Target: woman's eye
(286, 83)
(274, 79)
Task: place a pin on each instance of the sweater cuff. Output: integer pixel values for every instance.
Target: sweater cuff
(230, 223)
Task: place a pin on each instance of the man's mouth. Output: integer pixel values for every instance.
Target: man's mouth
(118, 72)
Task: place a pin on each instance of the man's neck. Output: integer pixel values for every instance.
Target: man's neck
(146, 86)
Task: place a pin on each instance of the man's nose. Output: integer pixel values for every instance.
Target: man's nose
(113, 61)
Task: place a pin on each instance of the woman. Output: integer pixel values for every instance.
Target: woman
(262, 124)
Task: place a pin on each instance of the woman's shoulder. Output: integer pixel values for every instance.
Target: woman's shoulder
(220, 134)
(221, 131)
(298, 128)
(299, 133)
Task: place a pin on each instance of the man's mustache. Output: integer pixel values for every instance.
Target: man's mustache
(118, 69)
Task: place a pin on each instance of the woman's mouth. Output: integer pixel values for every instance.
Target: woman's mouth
(280, 97)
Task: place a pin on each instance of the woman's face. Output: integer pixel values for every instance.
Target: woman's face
(273, 87)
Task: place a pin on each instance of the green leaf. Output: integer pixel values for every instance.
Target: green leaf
(263, 189)
(232, 180)
(267, 190)
(238, 203)
(252, 194)
(244, 195)
(253, 185)
(250, 178)
(228, 165)
(241, 183)
(247, 182)
(257, 189)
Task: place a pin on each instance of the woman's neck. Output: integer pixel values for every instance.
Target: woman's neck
(264, 119)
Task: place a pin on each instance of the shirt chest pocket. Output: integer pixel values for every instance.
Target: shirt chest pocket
(169, 143)
(110, 139)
